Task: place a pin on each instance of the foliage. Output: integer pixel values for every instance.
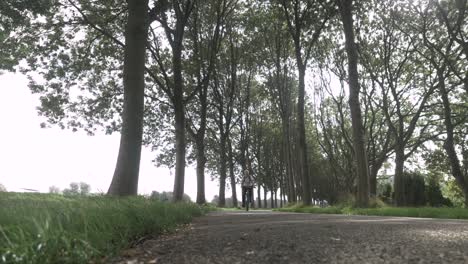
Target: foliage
(48, 228)
(452, 191)
(2, 188)
(167, 197)
(54, 189)
(415, 189)
(434, 193)
(81, 188)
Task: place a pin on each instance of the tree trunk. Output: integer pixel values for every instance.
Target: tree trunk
(449, 144)
(358, 129)
(201, 160)
(276, 199)
(265, 197)
(222, 172)
(232, 176)
(289, 169)
(373, 180)
(179, 112)
(125, 179)
(398, 181)
(259, 196)
(281, 197)
(302, 144)
(272, 201)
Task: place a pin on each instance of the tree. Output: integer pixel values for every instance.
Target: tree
(174, 26)
(391, 59)
(442, 30)
(280, 83)
(73, 190)
(54, 189)
(2, 188)
(205, 50)
(16, 16)
(76, 188)
(305, 27)
(125, 180)
(360, 154)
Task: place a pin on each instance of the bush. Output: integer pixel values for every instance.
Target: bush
(434, 194)
(414, 189)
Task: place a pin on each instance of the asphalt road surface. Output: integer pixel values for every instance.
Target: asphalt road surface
(273, 237)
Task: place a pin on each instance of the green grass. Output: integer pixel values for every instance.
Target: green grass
(44, 228)
(424, 212)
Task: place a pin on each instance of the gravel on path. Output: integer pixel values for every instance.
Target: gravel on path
(274, 237)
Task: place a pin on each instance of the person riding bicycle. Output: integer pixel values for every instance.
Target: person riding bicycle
(247, 186)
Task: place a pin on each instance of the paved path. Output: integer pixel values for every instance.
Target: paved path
(272, 237)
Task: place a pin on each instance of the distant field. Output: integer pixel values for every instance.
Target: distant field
(44, 228)
(424, 212)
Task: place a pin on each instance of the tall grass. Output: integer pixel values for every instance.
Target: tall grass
(424, 212)
(44, 228)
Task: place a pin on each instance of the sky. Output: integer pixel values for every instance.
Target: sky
(36, 158)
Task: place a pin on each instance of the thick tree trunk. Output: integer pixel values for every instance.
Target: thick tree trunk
(281, 197)
(358, 129)
(287, 154)
(276, 199)
(449, 144)
(398, 181)
(222, 172)
(232, 176)
(259, 196)
(272, 201)
(302, 144)
(179, 112)
(125, 179)
(201, 160)
(373, 181)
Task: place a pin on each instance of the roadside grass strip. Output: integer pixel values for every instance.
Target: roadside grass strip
(48, 228)
(423, 212)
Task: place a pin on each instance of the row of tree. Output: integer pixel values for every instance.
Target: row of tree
(317, 95)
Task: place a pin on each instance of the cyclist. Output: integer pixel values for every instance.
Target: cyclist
(247, 186)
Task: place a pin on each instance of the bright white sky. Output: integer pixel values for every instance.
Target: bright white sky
(35, 158)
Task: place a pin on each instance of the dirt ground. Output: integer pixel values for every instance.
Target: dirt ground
(273, 237)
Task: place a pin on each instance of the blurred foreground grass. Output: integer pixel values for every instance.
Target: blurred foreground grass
(47, 228)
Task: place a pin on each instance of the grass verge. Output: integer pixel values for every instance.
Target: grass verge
(44, 228)
(423, 212)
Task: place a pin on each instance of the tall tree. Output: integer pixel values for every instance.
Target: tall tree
(305, 20)
(208, 20)
(173, 17)
(125, 180)
(394, 65)
(359, 142)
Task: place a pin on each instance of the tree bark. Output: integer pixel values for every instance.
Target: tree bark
(398, 177)
(179, 111)
(259, 196)
(449, 144)
(272, 201)
(232, 176)
(302, 144)
(373, 180)
(125, 179)
(356, 118)
(222, 172)
(201, 161)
